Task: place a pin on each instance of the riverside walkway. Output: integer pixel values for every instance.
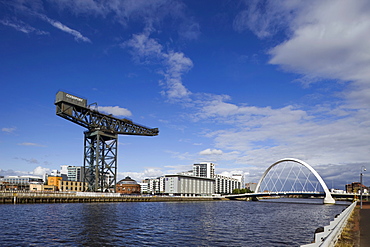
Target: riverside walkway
(365, 225)
(87, 197)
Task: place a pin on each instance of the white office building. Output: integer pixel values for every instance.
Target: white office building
(182, 185)
(22, 180)
(70, 173)
(75, 173)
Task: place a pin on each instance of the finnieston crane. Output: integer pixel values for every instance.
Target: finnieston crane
(101, 138)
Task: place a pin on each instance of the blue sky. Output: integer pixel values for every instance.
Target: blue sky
(239, 83)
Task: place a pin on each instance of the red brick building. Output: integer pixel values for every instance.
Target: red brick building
(128, 186)
(355, 188)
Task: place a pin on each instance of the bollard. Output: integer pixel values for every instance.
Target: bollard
(15, 198)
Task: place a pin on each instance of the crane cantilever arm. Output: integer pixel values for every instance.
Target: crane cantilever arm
(92, 119)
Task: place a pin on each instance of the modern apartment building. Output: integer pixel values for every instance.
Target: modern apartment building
(153, 185)
(73, 173)
(204, 170)
(240, 178)
(143, 188)
(226, 185)
(223, 184)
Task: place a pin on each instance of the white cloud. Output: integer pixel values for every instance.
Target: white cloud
(209, 151)
(151, 13)
(144, 48)
(324, 41)
(148, 50)
(9, 172)
(139, 176)
(265, 18)
(286, 132)
(30, 144)
(177, 64)
(77, 35)
(180, 156)
(151, 172)
(230, 173)
(40, 171)
(333, 42)
(90, 7)
(35, 8)
(328, 44)
(30, 161)
(21, 26)
(115, 110)
(9, 130)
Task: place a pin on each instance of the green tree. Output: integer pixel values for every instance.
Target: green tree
(236, 191)
(242, 191)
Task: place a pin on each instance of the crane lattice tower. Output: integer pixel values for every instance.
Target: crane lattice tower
(101, 139)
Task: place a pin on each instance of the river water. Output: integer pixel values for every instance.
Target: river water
(210, 223)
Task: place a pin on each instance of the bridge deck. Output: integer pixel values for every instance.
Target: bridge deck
(288, 193)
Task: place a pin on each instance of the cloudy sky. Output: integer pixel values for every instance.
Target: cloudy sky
(239, 83)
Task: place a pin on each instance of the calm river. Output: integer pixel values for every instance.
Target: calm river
(213, 223)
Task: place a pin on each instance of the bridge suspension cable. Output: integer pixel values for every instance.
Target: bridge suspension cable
(289, 175)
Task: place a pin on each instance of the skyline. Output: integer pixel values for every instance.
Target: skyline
(241, 84)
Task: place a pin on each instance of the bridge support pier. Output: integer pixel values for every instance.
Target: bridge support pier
(328, 199)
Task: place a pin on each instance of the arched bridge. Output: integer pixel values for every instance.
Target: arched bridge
(290, 176)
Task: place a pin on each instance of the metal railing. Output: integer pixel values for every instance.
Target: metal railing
(332, 232)
(56, 194)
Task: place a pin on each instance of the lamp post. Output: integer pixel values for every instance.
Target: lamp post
(362, 170)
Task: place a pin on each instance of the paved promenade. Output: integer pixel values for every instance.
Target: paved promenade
(364, 224)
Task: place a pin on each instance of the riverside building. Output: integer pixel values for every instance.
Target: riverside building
(66, 185)
(73, 173)
(143, 188)
(70, 186)
(19, 182)
(182, 185)
(223, 184)
(204, 170)
(226, 185)
(128, 186)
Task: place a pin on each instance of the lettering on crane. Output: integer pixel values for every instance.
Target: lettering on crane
(74, 97)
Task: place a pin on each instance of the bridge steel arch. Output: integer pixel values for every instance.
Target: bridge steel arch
(328, 198)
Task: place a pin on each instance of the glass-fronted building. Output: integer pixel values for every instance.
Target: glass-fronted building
(21, 180)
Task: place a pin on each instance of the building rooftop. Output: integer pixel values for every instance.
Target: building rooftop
(127, 180)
